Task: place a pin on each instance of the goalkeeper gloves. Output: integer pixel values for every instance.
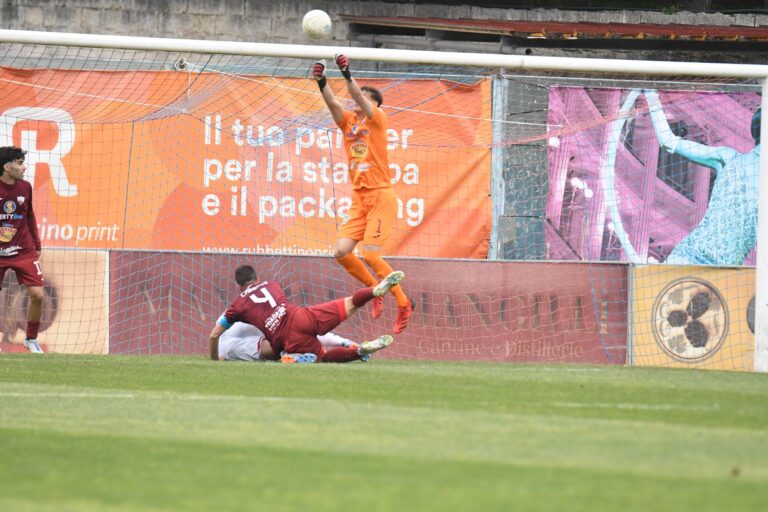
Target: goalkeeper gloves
(318, 71)
(343, 62)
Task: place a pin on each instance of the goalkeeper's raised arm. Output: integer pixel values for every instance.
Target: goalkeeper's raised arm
(318, 72)
(355, 91)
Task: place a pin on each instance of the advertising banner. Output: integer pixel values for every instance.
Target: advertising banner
(75, 307)
(170, 160)
(653, 176)
(518, 312)
(693, 317)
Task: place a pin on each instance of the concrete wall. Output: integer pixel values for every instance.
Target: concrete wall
(241, 20)
(279, 22)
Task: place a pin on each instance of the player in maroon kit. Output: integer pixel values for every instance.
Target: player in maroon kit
(19, 242)
(292, 330)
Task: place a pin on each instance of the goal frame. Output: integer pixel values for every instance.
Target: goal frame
(502, 61)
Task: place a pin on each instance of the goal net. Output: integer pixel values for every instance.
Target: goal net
(543, 216)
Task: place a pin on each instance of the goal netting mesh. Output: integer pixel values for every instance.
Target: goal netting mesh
(542, 217)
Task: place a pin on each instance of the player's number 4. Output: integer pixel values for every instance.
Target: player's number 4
(265, 297)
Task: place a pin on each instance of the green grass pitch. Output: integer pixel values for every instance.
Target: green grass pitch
(131, 433)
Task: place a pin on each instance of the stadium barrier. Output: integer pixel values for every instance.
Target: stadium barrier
(168, 156)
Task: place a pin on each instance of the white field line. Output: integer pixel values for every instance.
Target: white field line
(197, 397)
(14, 394)
(633, 406)
(130, 396)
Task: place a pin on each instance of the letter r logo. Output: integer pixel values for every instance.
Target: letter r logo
(29, 142)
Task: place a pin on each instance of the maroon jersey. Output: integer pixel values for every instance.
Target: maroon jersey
(264, 306)
(18, 227)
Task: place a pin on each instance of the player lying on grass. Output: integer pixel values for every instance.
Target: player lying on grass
(292, 330)
(244, 342)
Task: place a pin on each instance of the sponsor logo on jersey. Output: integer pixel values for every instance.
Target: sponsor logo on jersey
(9, 207)
(11, 250)
(273, 321)
(358, 149)
(7, 233)
(690, 320)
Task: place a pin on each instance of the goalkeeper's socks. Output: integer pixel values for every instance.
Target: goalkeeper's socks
(356, 269)
(383, 269)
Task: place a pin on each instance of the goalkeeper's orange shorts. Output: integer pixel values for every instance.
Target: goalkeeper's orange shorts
(372, 216)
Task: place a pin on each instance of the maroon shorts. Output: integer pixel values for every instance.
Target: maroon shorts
(308, 322)
(27, 268)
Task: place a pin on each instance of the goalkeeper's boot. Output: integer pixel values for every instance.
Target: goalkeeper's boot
(403, 316)
(298, 358)
(377, 307)
(387, 283)
(33, 346)
(369, 347)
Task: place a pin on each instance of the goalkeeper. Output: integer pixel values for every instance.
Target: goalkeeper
(373, 212)
(728, 231)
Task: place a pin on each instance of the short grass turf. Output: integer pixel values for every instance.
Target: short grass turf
(130, 433)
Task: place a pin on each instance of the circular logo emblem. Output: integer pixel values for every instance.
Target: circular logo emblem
(690, 320)
(751, 315)
(9, 207)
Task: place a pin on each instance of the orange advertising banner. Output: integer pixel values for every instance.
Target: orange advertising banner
(212, 162)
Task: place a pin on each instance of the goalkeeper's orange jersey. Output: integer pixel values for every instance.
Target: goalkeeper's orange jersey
(365, 141)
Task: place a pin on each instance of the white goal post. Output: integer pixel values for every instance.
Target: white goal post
(516, 63)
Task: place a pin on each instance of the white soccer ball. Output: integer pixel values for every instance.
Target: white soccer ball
(316, 24)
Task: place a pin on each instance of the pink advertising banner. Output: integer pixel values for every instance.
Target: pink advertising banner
(652, 176)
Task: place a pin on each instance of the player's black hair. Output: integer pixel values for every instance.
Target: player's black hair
(9, 154)
(374, 92)
(756, 127)
(245, 274)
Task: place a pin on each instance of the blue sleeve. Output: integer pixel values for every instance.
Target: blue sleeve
(222, 321)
